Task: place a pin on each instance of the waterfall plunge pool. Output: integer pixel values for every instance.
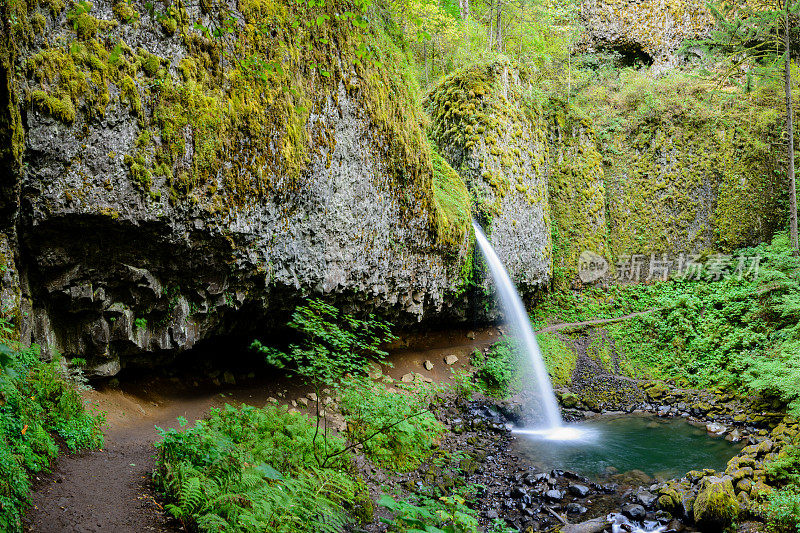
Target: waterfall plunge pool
(616, 447)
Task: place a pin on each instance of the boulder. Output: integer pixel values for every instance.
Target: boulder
(595, 525)
(716, 506)
(570, 400)
(581, 491)
(645, 497)
(634, 511)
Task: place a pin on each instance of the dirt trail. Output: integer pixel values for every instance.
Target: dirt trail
(109, 490)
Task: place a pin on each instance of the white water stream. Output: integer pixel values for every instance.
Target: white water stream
(517, 317)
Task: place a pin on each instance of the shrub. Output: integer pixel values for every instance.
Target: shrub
(498, 369)
(443, 515)
(248, 469)
(36, 402)
(397, 429)
(783, 511)
(785, 467)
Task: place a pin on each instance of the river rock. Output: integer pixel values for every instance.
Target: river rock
(518, 492)
(645, 497)
(451, 359)
(595, 525)
(554, 495)
(580, 491)
(715, 428)
(716, 506)
(575, 508)
(428, 365)
(634, 511)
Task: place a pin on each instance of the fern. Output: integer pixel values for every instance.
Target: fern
(208, 475)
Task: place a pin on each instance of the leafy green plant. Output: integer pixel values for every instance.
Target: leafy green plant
(37, 401)
(443, 515)
(498, 369)
(332, 344)
(248, 469)
(783, 511)
(785, 468)
(397, 429)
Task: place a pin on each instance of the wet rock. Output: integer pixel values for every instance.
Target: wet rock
(744, 485)
(491, 514)
(570, 400)
(662, 517)
(595, 525)
(675, 526)
(716, 506)
(634, 511)
(575, 508)
(518, 492)
(554, 495)
(645, 497)
(580, 491)
(764, 447)
(716, 429)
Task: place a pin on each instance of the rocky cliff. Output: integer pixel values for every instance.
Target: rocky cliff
(645, 31)
(176, 173)
(497, 142)
(177, 184)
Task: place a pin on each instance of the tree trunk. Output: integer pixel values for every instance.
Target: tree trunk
(499, 27)
(790, 132)
(463, 7)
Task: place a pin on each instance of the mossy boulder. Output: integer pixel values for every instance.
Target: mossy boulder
(487, 131)
(656, 390)
(716, 506)
(570, 400)
(677, 498)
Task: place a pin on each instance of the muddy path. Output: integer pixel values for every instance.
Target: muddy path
(109, 490)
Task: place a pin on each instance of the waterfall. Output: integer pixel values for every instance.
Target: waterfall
(517, 317)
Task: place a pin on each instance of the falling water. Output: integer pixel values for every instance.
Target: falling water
(518, 318)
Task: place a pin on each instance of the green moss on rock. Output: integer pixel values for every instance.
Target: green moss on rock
(716, 506)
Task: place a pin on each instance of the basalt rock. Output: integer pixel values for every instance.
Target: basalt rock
(168, 197)
(716, 506)
(644, 31)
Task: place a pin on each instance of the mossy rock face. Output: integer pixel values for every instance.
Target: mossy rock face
(647, 31)
(10, 289)
(716, 506)
(206, 181)
(497, 142)
(657, 390)
(570, 400)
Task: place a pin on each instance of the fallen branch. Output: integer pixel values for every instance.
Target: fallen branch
(558, 516)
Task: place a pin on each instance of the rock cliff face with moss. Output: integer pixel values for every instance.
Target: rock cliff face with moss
(650, 31)
(177, 184)
(497, 142)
